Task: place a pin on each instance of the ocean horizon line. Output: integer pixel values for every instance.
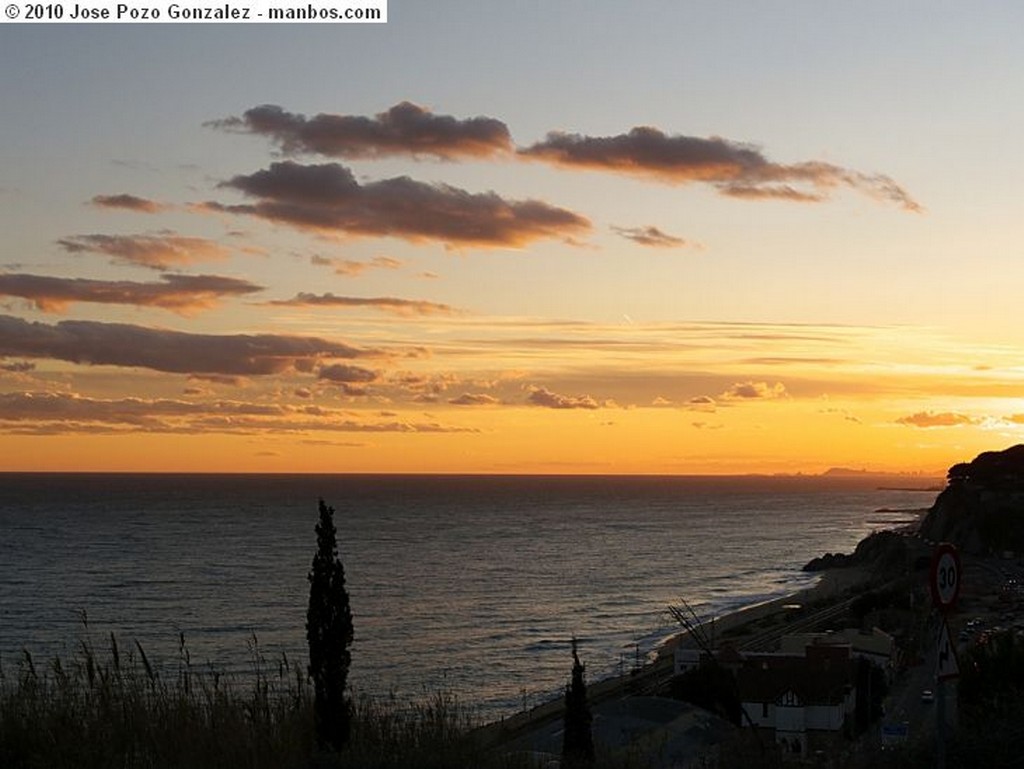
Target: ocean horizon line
(827, 474)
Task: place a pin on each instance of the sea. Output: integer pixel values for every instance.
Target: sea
(473, 586)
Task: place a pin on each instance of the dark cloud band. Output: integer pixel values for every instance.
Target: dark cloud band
(405, 129)
(737, 170)
(122, 344)
(328, 198)
(185, 294)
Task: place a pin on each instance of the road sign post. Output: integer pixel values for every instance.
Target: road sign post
(947, 666)
(944, 581)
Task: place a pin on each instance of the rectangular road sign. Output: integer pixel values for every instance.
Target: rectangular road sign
(895, 730)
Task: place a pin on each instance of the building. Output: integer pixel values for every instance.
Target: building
(691, 659)
(874, 645)
(802, 700)
(802, 697)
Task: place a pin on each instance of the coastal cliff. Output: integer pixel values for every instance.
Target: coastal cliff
(884, 552)
(981, 510)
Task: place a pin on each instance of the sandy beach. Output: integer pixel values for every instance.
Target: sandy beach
(834, 584)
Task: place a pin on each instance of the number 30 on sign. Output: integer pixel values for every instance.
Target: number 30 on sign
(945, 576)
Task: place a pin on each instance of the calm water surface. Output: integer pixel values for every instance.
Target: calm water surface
(474, 584)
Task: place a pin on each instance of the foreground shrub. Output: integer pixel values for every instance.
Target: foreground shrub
(120, 710)
(124, 711)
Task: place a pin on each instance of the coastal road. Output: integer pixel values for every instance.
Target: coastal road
(906, 703)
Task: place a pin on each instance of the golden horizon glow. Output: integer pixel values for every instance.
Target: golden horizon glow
(722, 260)
(508, 395)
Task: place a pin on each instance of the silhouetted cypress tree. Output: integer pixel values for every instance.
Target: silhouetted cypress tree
(329, 632)
(577, 740)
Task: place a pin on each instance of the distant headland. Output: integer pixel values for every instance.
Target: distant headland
(980, 510)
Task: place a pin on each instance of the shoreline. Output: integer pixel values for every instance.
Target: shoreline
(833, 585)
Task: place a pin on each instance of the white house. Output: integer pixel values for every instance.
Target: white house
(803, 700)
(804, 694)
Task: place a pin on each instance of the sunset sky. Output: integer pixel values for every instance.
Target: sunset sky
(574, 237)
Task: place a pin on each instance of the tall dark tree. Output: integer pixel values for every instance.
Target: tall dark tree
(577, 739)
(329, 632)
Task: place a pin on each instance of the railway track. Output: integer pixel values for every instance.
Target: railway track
(769, 640)
(655, 676)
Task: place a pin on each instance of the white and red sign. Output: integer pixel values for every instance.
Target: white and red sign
(945, 576)
(946, 664)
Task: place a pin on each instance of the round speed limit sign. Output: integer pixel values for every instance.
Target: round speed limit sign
(945, 575)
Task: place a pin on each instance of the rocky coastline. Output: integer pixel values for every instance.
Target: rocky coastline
(981, 511)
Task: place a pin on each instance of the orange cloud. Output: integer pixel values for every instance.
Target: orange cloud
(474, 399)
(328, 198)
(183, 294)
(735, 169)
(46, 413)
(541, 396)
(158, 252)
(701, 403)
(405, 129)
(351, 267)
(220, 379)
(129, 203)
(754, 391)
(340, 372)
(928, 419)
(651, 236)
(386, 303)
(775, 192)
(17, 366)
